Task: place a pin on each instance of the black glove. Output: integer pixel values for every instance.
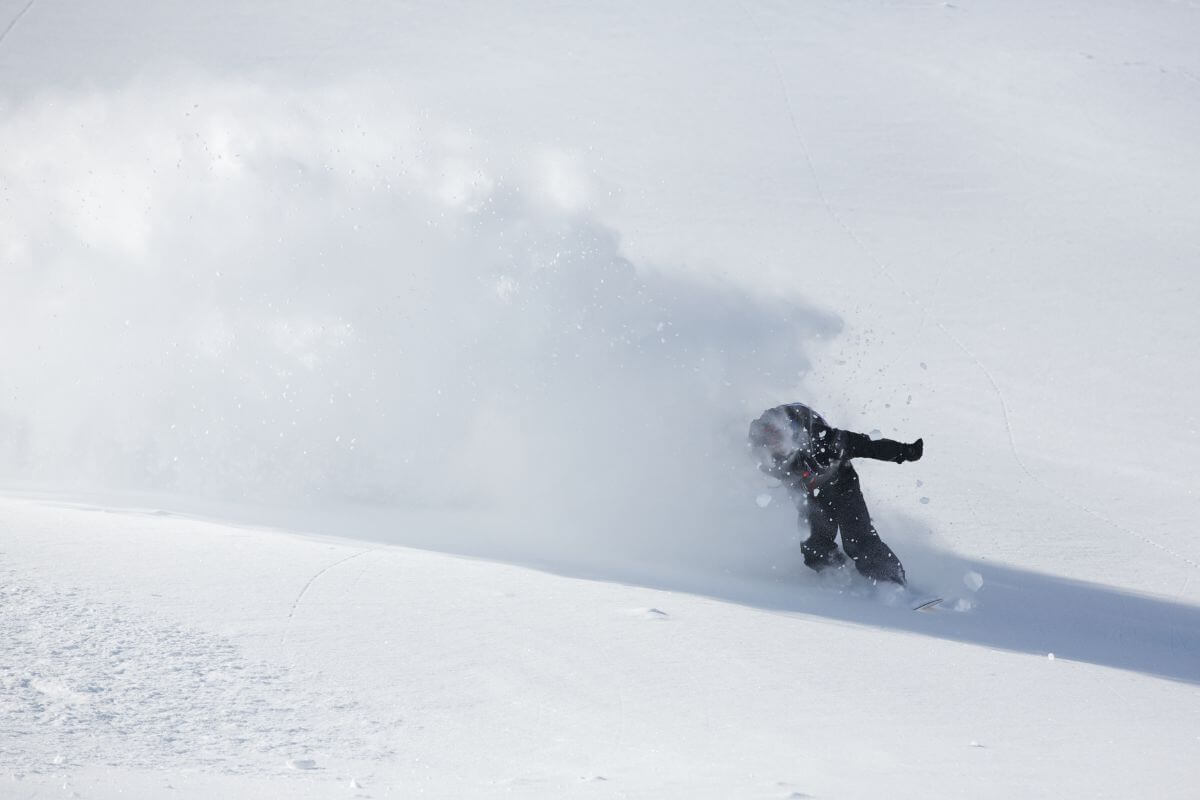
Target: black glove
(911, 452)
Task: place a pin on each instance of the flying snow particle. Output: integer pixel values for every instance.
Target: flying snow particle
(763, 500)
(1050, 656)
(973, 580)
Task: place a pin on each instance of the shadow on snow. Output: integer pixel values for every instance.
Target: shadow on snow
(1017, 610)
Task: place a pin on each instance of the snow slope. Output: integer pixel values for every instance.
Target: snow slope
(507, 283)
(156, 652)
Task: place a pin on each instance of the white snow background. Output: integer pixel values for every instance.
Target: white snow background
(292, 289)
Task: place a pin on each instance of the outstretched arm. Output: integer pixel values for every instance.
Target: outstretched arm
(849, 444)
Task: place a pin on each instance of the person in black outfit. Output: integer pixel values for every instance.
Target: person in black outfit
(812, 459)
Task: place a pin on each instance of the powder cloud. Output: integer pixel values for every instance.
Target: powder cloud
(324, 298)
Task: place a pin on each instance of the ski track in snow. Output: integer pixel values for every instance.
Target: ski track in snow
(304, 590)
(882, 269)
(15, 20)
(89, 682)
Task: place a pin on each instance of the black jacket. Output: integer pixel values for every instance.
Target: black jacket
(797, 446)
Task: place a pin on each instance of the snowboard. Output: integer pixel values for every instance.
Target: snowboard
(928, 604)
(892, 594)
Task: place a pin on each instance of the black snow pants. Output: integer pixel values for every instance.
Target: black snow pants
(838, 504)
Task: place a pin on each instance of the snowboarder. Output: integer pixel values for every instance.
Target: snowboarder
(811, 458)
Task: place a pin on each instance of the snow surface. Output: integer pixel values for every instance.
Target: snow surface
(373, 384)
